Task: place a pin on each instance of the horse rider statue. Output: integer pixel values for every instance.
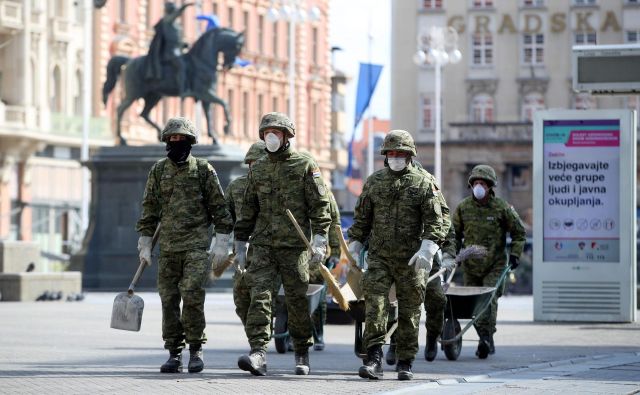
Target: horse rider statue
(167, 45)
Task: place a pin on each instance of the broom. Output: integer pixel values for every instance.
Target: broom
(355, 272)
(217, 272)
(326, 274)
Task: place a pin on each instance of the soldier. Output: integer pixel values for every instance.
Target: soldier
(400, 215)
(315, 277)
(234, 196)
(284, 179)
(183, 192)
(485, 219)
(166, 46)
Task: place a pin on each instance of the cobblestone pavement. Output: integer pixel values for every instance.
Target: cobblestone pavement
(68, 347)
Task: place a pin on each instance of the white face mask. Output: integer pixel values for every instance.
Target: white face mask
(479, 192)
(397, 164)
(272, 141)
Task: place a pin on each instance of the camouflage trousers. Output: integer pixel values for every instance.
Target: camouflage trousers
(266, 266)
(410, 291)
(181, 278)
(320, 314)
(434, 303)
(486, 323)
(242, 295)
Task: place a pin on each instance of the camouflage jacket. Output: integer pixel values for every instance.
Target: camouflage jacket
(396, 211)
(334, 241)
(187, 199)
(278, 181)
(487, 225)
(449, 243)
(234, 195)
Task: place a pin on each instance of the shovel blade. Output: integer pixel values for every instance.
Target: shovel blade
(127, 312)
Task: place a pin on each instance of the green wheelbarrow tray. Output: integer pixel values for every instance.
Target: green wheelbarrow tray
(314, 296)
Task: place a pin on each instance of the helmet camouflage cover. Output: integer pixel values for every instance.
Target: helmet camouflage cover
(256, 151)
(180, 125)
(398, 140)
(483, 172)
(277, 120)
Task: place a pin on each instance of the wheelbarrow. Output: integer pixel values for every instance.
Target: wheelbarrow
(281, 328)
(464, 303)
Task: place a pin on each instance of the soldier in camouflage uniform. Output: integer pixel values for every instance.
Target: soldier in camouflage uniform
(284, 179)
(400, 215)
(485, 219)
(234, 196)
(183, 192)
(315, 277)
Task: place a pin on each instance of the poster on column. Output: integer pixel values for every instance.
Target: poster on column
(581, 190)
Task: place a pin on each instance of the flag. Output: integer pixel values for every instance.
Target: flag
(367, 81)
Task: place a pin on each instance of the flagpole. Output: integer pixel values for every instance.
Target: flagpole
(369, 83)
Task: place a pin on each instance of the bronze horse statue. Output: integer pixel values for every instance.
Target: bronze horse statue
(200, 68)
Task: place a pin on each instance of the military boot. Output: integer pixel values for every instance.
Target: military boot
(431, 349)
(484, 347)
(404, 370)
(492, 348)
(302, 362)
(174, 363)
(255, 362)
(196, 364)
(372, 369)
(390, 356)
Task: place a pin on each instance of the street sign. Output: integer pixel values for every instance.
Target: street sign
(585, 210)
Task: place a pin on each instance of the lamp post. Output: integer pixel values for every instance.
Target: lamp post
(437, 46)
(294, 12)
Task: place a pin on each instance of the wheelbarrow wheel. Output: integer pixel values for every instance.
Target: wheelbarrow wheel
(281, 337)
(451, 330)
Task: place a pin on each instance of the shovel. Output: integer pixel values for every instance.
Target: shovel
(127, 307)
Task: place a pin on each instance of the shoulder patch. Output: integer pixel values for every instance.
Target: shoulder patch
(316, 173)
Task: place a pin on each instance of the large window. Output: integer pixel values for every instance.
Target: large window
(531, 103)
(56, 91)
(246, 23)
(231, 17)
(584, 2)
(426, 113)
(261, 34)
(584, 38)
(432, 4)
(632, 36)
(482, 3)
(314, 45)
(482, 108)
(482, 49)
(77, 94)
(533, 48)
(245, 113)
(275, 39)
(533, 3)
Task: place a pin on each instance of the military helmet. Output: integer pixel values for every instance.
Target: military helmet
(256, 151)
(398, 140)
(483, 172)
(277, 120)
(180, 125)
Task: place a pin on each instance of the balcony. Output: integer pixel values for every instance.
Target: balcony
(511, 132)
(10, 17)
(63, 125)
(60, 29)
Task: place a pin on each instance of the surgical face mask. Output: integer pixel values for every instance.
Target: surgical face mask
(272, 141)
(479, 192)
(397, 164)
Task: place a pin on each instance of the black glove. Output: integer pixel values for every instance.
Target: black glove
(514, 261)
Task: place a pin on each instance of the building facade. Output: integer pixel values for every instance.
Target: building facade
(516, 59)
(41, 55)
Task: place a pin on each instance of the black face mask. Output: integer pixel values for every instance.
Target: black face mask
(178, 151)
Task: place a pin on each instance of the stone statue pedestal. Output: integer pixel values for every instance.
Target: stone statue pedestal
(109, 256)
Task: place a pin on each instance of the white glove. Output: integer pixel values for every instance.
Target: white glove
(240, 260)
(319, 249)
(423, 259)
(144, 249)
(219, 250)
(448, 262)
(355, 247)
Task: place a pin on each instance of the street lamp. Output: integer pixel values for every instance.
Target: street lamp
(292, 11)
(437, 46)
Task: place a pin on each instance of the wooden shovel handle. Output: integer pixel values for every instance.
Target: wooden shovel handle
(300, 232)
(142, 266)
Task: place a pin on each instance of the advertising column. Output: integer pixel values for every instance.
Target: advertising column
(584, 210)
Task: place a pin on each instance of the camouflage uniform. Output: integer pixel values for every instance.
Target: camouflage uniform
(487, 225)
(281, 180)
(315, 277)
(187, 199)
(395, 212)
